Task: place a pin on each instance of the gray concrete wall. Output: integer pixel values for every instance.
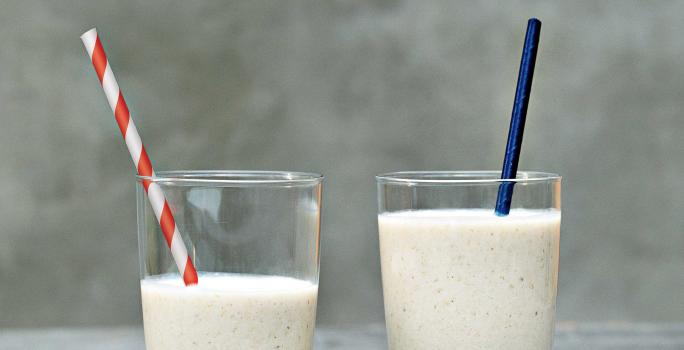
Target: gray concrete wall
(350, 89)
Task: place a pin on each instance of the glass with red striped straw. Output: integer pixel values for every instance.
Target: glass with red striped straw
(255, 243)
(249, 279)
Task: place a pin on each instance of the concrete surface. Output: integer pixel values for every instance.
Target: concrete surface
(570, 336)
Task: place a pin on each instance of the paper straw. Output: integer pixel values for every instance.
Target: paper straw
(142, 162)
(515, 131)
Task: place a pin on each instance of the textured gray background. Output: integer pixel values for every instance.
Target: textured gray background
(349, 88)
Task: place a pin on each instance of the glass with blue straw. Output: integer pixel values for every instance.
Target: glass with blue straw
(465, 265)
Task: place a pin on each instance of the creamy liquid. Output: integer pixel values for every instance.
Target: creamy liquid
(228, 311)
(467, 279)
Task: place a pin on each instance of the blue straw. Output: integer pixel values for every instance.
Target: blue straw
(515, 132)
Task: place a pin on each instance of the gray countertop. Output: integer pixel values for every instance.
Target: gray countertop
(569, 336)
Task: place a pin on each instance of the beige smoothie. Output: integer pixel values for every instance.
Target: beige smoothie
(467, 279)
(229, 311)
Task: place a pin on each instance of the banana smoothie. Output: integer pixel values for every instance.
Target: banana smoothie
(468, 279)
(229, 311)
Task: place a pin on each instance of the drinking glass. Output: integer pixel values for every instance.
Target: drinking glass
(457, 276)
(254, 239)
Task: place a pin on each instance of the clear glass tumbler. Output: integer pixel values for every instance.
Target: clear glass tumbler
(254, 239)
(457, 276)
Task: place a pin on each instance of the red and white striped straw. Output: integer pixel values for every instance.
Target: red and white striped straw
(142, 162)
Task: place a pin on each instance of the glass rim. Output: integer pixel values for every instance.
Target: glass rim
(457, 177)
(234, 177)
